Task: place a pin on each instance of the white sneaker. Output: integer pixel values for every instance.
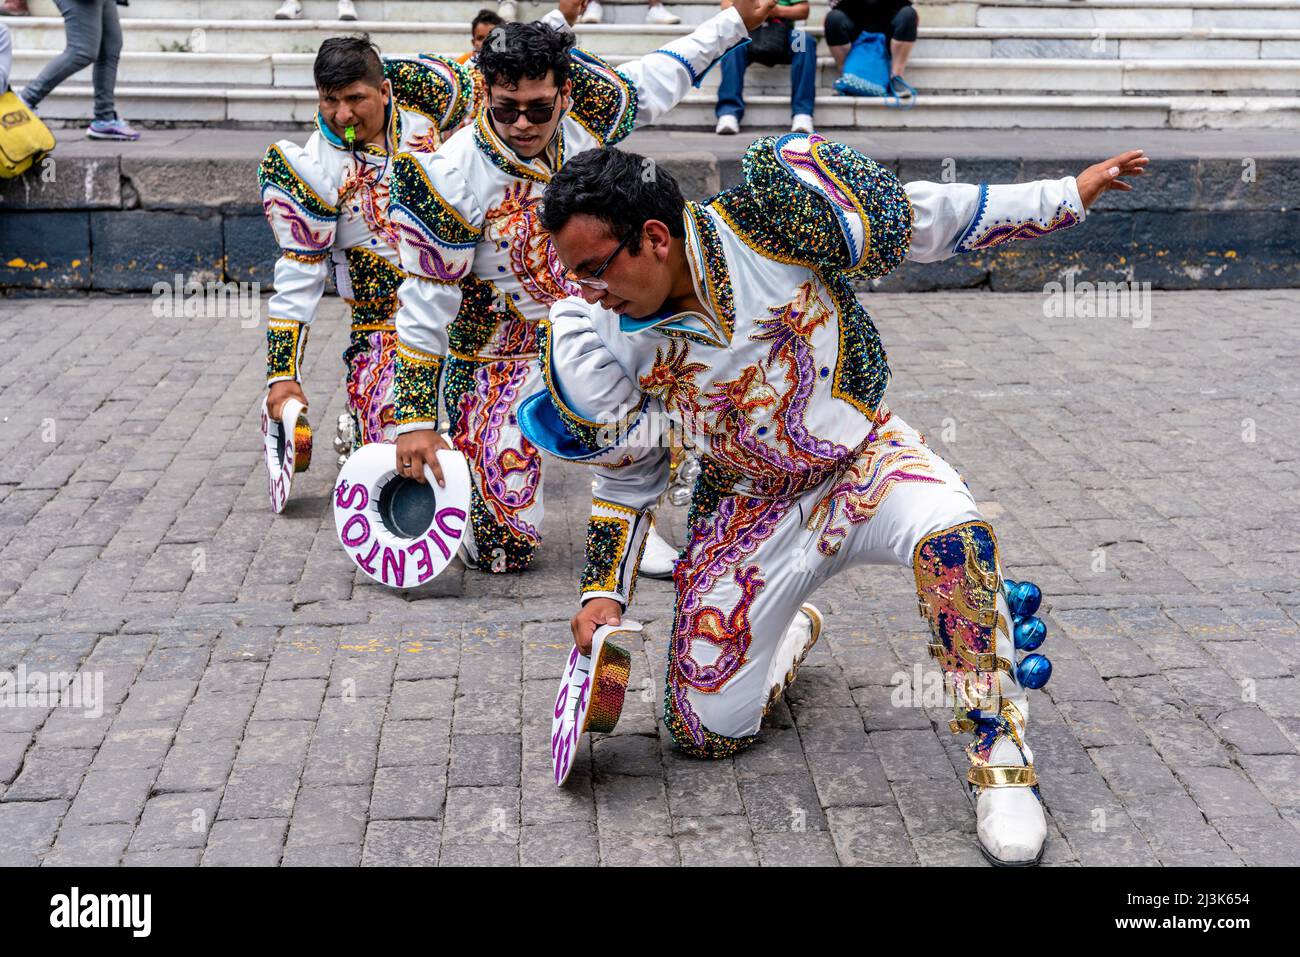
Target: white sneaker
(289, 10)
(346, 10)
(658, 13)
(728, 125)
(658, 558)
(508, 10)
(802, 123)
(593, 13)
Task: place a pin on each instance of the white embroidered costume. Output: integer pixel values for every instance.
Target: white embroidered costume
(328, 207)
(780, 384)
(482, 273)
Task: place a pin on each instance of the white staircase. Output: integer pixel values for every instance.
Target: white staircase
(1004, 64)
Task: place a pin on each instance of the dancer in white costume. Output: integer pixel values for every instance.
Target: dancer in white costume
(481, 270)
(327, 203)
(735, 320)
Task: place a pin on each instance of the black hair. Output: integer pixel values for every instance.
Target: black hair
(485, 16)
(342, 61)
(518, 51)
(622, 190)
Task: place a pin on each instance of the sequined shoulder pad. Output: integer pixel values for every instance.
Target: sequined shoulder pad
(298, 199)
(604, 101)
(809, 200)
(436, 240)
(437, 87)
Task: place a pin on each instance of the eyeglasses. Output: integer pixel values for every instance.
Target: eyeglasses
(594, 281)
(506, 115)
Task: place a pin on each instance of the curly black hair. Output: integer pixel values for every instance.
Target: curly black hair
(517, 51)
(622, 190)
(342, 61)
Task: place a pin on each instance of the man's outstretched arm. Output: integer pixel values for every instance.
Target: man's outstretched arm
(953, 218)
(611, 103)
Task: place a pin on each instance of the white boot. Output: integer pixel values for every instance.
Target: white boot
(658, 558)
(659, 14)
(728, 125)
(508, 10)
(346, 10)
(593, 13)
(800, 636)
(801, 123)
(1010, 822)
(289, 10)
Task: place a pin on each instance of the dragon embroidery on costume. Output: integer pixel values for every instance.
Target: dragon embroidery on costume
(533, 258)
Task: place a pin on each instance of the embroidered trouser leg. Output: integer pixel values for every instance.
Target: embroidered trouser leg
(370, 365)
(751, 563)
(482, 398)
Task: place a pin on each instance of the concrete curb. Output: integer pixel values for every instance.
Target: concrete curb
(122, 222)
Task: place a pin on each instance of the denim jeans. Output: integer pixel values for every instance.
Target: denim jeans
(803, 77)
(94, 36)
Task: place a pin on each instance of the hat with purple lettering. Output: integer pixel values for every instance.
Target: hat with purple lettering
(287, 446)
(591, 694)
(400, 532)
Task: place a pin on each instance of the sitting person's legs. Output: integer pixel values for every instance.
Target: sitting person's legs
(896, 19)
(731, 90)
(803, 73)
(902, 37)
(841, 31)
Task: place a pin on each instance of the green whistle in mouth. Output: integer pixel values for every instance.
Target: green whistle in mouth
(350, 134)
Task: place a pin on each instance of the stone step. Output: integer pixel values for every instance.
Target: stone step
(153, 35)
(1104, 14)
(293, 108)
(292, 71)
(458, 12)
(1110, 14)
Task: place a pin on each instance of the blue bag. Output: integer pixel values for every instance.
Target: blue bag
(867, 73)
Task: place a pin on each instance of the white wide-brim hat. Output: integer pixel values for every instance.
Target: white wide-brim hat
(591, 694)
(400, 532)
(287, 446)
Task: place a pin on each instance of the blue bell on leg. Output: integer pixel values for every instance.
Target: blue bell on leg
(1029, 633)
(1023, 598)
(1033, 671)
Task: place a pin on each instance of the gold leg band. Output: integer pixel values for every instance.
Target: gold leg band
(1002, 776)
(980, 661)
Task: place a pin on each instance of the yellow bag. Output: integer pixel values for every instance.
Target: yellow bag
(24, 139)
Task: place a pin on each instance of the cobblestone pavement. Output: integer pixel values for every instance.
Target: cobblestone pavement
(263, 703)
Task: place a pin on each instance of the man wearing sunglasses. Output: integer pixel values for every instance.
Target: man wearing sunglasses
(736, 319)
(481, 270)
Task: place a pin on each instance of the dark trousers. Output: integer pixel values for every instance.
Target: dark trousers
(896, 20)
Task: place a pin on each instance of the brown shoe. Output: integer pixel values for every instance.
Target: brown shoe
(14, 8)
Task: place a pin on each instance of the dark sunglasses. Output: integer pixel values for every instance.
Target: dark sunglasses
(506, 115)
(594, 281)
